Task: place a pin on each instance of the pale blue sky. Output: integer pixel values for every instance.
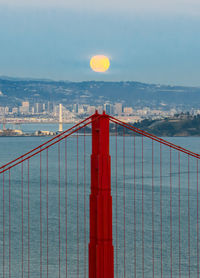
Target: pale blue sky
(147, 40)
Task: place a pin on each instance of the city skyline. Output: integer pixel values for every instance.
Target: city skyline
(57, 112)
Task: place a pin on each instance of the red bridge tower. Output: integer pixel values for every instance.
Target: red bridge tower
(101, 252)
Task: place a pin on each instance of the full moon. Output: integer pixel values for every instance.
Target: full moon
(99, 63)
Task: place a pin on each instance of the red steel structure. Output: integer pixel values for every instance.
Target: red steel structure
(101, 255)
(149, 227)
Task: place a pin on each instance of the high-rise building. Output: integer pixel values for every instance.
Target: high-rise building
(49, 107)
(118, 108)
(24, 109)
(108, 108)
(75, 108)
(38, 107)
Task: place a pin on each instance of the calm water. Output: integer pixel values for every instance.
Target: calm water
(13, 147)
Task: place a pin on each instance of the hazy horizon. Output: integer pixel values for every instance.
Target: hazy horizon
(90, 80)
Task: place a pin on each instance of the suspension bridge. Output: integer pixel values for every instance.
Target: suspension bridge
(99, 206)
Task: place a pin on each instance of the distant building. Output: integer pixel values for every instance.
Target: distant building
(128, 110)
(15, 110)
(6, 110)
(11, 132)
(75, 108)
(49, 107)
(81, 109)
(100, 109)
(44, 133)
(118, 109)
(91, 110)
(38, 108)
(3, 110)
(24, 109)
(25, 103)
(108, 108)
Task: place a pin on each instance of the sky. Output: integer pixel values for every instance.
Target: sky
(152, 41)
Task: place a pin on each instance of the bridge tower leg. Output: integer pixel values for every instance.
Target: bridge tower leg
(101, 251)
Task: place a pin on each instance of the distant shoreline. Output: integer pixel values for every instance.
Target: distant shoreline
(180, 125)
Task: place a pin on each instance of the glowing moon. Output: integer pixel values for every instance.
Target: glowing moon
(99, 63)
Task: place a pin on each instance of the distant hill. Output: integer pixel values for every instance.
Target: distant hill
(181, 125)
(134, 94)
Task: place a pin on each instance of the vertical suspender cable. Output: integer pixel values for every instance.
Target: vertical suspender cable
(116, 214)
(66, 205)
(152, 209)
(142, 207)
(22, 212)
(197, 219)
(3, 226)
(161, 262)
(179, 206)
(124, 202)
(59, 209)
(84, 209)
(171, 210)
(188, 216)
(134, 215)
(47, 211)
(77, 213)
(9, 226)
(28, 220)
(40, 215)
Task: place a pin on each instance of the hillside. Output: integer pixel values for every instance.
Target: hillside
(180, 125)
(133, 94)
